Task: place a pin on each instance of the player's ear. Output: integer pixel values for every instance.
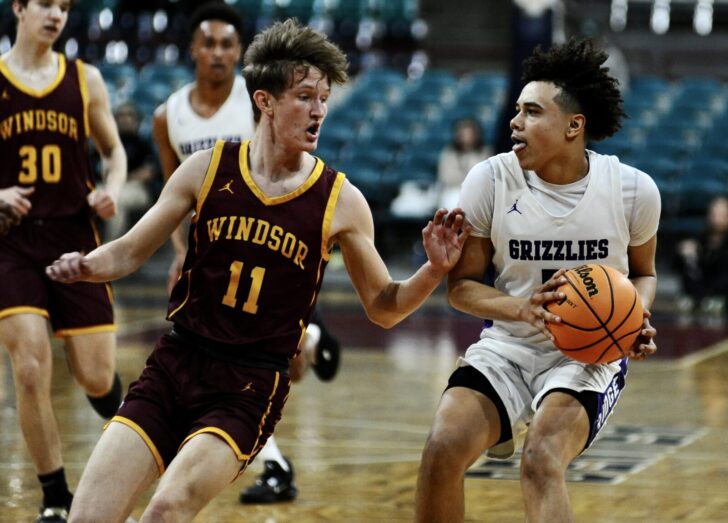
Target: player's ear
(576, 125)
(263, 101)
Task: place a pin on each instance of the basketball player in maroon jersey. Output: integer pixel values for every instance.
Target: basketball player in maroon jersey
(217, 106)
(267, 215)
(49, 106)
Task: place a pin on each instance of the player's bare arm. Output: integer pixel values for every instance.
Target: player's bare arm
(385, 301)
(169, 162)
(643, 273)
(127, 253)
(167, 157)
(106, 139)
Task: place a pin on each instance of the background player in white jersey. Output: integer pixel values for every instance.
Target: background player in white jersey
(549, 187)
(217, 106)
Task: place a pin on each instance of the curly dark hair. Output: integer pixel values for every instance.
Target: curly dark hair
(586, 87)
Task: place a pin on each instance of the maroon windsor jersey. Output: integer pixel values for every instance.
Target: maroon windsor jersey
(43, 140)
(255, 263)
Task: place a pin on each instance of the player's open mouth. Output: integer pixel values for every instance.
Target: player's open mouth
(518, 144)
(313, 131)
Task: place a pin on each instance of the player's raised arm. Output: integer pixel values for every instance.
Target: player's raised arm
(127, 253)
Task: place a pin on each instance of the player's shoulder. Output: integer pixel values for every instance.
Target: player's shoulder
(637, 177)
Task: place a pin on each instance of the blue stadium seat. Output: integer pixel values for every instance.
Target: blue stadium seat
(662, 170)
(709, 170)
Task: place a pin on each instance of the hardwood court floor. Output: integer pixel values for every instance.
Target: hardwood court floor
(356, 441)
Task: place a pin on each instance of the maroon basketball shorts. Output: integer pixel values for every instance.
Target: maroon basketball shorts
(77, 308)
(183, 392)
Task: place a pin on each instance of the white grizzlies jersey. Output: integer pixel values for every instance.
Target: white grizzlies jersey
(531, 242)
(189, 132)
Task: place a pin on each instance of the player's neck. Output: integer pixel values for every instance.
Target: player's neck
(269, 160)
(211, 95)
(26, 54)
(563, 171)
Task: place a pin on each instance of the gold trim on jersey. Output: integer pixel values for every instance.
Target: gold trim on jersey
(136, 428)
(109, 327)
(188, 275)
(209, 177)
(329, 215)
(23, 309)
(227, 438)
(38, 93)
(83, 84)
(318, 168)
(267, 411)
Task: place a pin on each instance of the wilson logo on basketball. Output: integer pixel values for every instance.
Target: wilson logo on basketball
(589, 285)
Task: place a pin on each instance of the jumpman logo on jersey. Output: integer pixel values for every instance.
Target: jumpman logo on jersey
(5, 96)
(227, 188)
(514, 208)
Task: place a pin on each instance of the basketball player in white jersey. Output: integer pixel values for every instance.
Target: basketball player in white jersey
(217, 106)
(547, 205)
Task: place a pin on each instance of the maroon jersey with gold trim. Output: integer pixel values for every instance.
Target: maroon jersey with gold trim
(255, 263)
(43, 140)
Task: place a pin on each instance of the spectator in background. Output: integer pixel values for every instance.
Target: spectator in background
(701, 262)
(456, 159)
(138, 192)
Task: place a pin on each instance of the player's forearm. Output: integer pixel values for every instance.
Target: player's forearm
(111, 261)
(483, 301)
(646, 287)
(399, 299)
(113, 170)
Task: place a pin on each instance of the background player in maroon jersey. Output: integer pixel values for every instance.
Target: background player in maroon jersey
(48, 108)
(267, 216)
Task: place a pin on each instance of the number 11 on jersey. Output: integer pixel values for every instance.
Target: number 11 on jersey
(256, 275)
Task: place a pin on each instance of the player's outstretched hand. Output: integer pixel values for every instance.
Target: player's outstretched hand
(70, 267)
(645, 344)
(102, 203)
(444, 237)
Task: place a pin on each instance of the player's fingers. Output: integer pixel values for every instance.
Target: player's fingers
(439, 215)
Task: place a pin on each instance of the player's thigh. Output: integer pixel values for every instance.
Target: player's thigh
(91, 354)
(204, 466)
(466, 421)
(26, 333)
(120, 468)
(560, 425)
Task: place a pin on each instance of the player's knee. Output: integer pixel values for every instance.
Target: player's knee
(443, 452)
(161, 508)
(540, 461)
(95, 377)
(96, 384)
(31, 374)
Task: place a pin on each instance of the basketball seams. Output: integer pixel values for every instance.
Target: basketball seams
(602, 323)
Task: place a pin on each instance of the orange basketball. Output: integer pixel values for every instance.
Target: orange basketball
(601, 315)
